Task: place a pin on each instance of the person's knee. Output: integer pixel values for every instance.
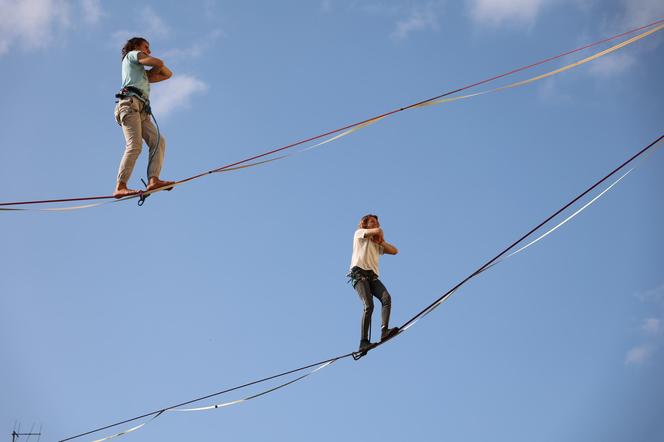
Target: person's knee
(368, 307)
(134, 147)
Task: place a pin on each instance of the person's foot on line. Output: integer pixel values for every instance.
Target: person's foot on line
(365, 346)
(122, 191)
(156, 183)
(387, 333)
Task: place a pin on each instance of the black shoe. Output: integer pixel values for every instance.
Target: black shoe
(365, 346)
(388, 333)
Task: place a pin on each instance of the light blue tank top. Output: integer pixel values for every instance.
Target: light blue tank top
(133, 74)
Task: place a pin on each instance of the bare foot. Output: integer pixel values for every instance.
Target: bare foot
(156, 183)
(122, 191)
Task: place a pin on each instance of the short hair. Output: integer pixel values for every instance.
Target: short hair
(131, 45)
(365, 219)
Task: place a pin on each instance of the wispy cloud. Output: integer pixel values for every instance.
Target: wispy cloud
(197, 49)
(91, 11)
(642, 12)
(611, 65)
(36, 24)
(505, 12)
(409, 16)
(651, 328)
(148, 24)
(31, 24)
(176, 93)
(655, 294)
(153, 24)
(419, 18)
(549, 91)
(638, 355)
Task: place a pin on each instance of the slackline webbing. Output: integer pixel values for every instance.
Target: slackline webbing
(646, 151)
(656, 26)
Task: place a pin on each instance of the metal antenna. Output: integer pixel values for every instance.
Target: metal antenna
(17, 434)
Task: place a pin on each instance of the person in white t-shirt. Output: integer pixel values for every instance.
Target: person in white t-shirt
(368, 243)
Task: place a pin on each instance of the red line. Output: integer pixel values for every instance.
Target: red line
(297, 143)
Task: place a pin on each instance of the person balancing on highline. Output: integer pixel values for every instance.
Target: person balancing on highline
(368, 244)
(133, 114)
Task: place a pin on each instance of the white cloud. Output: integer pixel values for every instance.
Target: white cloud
(652, 295)
(499, 12)
(549, 91)
(420, 18)
(638, 355)
(91, 10)
(175, 93)
(195, 50)
(611, 65)
(120, 37)
(153, 25)
(147, 24)
(642, 12)
(31, 24)
(411, 16)
(651, 326)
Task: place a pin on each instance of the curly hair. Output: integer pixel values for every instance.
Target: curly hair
(131, 45)
(365, 219)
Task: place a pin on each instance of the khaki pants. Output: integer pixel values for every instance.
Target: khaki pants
(137, 126)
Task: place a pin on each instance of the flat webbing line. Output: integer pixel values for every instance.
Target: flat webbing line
(352, 125)
(248, 384)
(556, 213)
(414, 318)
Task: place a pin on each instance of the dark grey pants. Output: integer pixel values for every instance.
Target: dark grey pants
(367, 289)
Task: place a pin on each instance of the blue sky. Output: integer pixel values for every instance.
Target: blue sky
(116, 311)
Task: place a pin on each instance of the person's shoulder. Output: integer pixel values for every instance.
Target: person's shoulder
(359, 233)
(132, 56)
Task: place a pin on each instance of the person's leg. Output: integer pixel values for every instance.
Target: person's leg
(379, 291)
(364, 292)
(157, 144)
(128, 117)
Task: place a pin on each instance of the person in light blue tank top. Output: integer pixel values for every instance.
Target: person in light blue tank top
(133, 114)
(134, 74)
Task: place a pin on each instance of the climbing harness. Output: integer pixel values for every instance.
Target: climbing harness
(358, 274)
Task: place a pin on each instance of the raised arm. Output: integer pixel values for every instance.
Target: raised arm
(377, 235)
(389, 248)
(373, 233)
(159, 71)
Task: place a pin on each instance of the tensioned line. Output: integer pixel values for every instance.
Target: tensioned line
(325, 363)
(355, 126)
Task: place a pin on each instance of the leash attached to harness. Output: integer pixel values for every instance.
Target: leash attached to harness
(132, 91)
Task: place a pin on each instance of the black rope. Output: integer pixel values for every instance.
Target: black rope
(492, 260)
(209, 396)
(418, 315)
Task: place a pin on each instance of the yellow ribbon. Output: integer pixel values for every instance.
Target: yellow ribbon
(548, 74)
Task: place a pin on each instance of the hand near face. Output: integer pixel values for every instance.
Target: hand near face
(379, 238)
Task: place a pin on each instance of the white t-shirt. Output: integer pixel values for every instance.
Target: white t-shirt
(365, 252)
